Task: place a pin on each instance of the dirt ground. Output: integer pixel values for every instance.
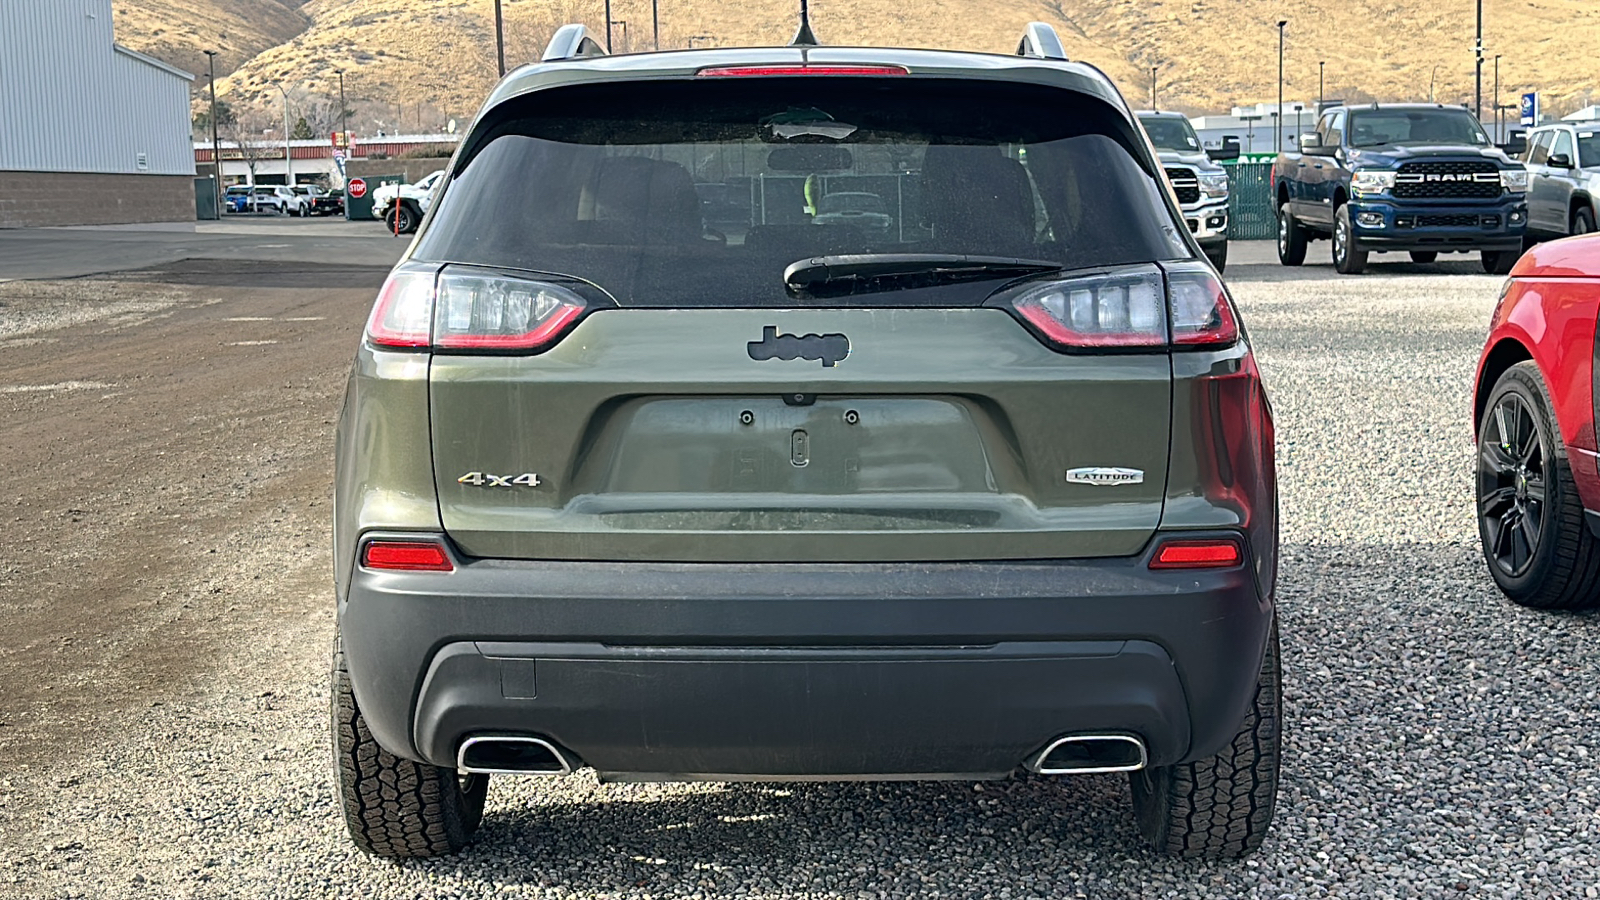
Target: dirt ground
(167, 463)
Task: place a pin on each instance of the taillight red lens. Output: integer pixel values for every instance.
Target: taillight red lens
(494, 311)
(758, 71)
(404, 311)
(1207, 554)
(1202, 315)
(409, 556)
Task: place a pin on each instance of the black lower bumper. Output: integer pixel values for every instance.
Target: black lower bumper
(804, 670)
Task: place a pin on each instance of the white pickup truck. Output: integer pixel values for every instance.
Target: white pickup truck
(415, 200)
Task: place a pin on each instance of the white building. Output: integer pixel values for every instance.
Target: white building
(90, 133)
(1256, 126)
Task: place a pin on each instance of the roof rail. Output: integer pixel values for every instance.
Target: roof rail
(572, 42)
(1040, 41)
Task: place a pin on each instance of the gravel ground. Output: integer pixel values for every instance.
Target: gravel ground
(1439, 738)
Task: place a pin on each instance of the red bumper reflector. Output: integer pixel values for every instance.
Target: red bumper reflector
(1197, 555)
(412, 556)
(758, 71)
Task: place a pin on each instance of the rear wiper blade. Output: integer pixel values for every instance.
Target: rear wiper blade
(832, 276)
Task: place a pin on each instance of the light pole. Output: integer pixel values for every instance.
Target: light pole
(655, 21)
(1152, 88)
(1498, 139)
(1250, 132)
(288, 150)
(216, 152)
(344, 116)
(608, 27)
(1477, 67)
(500, 36)
(1321, 94)
(1279, 117)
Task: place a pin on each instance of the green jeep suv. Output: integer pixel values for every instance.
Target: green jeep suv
(649, 464)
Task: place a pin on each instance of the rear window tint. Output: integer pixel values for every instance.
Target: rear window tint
(700, 193)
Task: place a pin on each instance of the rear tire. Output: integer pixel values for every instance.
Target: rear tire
(1218, 256)
(394, 807)
(1540, 552)
(1291, 238)
(1424, 256)
(1499, 262)
(1220, 807)
(407, 219)
(1348, 256)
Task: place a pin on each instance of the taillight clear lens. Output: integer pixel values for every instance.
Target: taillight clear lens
(1202, 315)
(404, 311)
(1124, 309)
(494, 311)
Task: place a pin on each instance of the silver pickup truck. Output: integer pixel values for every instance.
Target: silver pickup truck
(1201, 184)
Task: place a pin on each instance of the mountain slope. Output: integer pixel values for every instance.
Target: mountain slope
(437, 56)
(177, 31)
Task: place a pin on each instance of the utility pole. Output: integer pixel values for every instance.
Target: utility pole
(608, 27)
(1321, 94)
(216, 151)
(1152, 88)
(655, 21)
(288, 149)
(344, 116)
(1477, 67)
(1279, 123)
(500, 36)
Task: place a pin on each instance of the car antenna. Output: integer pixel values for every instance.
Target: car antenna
(805, 37)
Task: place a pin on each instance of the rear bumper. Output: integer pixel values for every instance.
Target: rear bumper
(1381, 224)
(651, 670)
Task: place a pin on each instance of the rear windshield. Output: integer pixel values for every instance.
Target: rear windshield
(1372, 128)
(701, 193)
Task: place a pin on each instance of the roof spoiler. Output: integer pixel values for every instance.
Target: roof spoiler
(1040, 41)
(571, 42)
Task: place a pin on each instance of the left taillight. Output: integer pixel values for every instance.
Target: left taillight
(466, 309)
(1178, 305)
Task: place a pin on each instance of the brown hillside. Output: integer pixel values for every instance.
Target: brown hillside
(177, 31)
(432, 59)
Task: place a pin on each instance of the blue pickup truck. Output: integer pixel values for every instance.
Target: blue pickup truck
(1400, 177)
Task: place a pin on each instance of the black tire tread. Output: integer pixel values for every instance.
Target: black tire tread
(394, 807)
(1296, 252)
(1574, 578)
(1221, 807)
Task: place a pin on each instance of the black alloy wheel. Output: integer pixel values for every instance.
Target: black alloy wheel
(1539, 550)
(1512, 485)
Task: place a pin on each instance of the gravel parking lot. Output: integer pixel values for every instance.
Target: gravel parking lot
(169, 740)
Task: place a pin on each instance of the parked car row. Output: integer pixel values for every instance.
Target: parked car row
(300, 200)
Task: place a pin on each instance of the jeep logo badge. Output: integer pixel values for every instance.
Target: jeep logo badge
(830, 348)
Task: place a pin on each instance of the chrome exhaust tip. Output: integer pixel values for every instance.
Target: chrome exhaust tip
(502, 754)
(1090, 754)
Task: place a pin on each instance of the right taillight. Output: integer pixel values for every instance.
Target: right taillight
(468, 309)
(1178, 305)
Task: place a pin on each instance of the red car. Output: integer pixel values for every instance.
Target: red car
(1538, 475)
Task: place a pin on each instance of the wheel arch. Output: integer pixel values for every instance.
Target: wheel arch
(1580, 200)
(1282, 192)
(1340, 197)
(1505, 354)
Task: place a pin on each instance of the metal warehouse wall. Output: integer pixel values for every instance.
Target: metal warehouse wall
(70, 101)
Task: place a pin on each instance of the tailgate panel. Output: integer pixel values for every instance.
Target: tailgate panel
(945, 434)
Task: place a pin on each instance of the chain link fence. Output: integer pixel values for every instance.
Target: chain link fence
(1251, 216)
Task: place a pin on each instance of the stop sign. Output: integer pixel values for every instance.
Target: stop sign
(358, 187)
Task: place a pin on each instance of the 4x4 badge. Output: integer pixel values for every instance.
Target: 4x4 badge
(1105, 475)
(830, 348)
(484, 479)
